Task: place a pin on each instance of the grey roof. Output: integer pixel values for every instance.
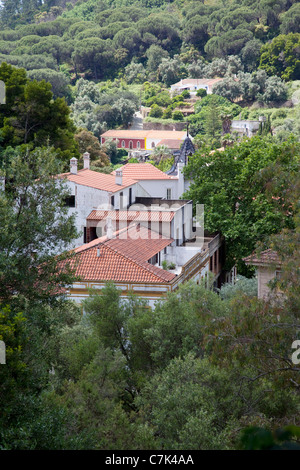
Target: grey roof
(186, 150)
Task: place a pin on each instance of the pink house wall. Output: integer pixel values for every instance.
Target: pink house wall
(127, 143)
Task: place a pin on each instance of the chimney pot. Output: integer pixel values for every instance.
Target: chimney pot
(119, 177)
(86, 160)
(98, 251)
(73, 166)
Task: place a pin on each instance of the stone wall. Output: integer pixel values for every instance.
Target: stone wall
(159, 126)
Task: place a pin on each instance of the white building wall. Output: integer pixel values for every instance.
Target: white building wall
(88, 199)
(151, 293)
(125, 203)
(158, 188)
(141, 191)
(245, 127)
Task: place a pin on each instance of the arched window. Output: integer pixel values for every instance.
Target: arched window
(123, 143)
(130, 144)
(138, 144)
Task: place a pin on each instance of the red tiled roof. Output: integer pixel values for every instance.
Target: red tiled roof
(267, 257)
(142, 171)
(130, 215)
(197, 81)
(123, 259)
(171, 143)
(143, 134)
(97, 180)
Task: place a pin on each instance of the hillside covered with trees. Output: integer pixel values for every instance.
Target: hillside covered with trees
(82, 37)
(107, 57)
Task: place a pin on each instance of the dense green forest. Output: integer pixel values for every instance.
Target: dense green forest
(121, 45)
(98, 39)
(203, 369)
(107, 57)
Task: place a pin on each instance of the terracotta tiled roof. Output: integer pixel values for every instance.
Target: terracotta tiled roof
(143, 134)
(171, 143)
(267, 257)
(122, 260)
(142, 171)
(130, 215)
(97, 180)
(197, 81)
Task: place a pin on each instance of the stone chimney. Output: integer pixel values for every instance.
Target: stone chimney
(119, 177)
(86, 160)
(73, 166)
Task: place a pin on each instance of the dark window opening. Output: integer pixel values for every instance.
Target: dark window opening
(154, 259)
(93, 233)
(70, 201)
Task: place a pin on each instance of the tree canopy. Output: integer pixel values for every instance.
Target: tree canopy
(31, 116)
(245, 198)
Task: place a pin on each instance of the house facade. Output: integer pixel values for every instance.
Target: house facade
(171, 219)
(135, 264)
(169, 185)
(140, 139)
(268, 266)
(194, 84)
(91, 190)
(154, 181)
(246, 127)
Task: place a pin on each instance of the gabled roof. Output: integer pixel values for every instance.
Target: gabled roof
(142, 171)
(265, 258)
(143, 134)
(97, 180)
(122, 259)
(130, 215)
(170, 143)
(197, 81)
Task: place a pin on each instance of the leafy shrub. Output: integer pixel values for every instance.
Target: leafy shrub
(181, 104)
(164, 264)
(242, 286)
(186, 94)
(177, 116)
(156, 111)
(201, 92)
(167, 113)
